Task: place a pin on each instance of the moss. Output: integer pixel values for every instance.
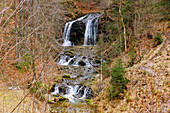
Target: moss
(66, 76)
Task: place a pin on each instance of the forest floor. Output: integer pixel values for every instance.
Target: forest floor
(148, 89)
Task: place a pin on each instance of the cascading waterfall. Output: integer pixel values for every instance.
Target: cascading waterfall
(73, 92)
(79, 62)
(82, 67)
(90, 33)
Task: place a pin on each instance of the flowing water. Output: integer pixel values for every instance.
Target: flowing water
(80, 65)
(90, 35)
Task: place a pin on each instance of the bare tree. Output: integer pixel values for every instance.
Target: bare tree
(16, 32)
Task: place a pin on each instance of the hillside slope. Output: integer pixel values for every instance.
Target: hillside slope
(148, 89)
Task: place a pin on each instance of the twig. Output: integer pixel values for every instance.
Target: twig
(19, 103)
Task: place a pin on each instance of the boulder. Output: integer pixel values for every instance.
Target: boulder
(77, 33)
(82, 63)
(66, 76)
(71, 62)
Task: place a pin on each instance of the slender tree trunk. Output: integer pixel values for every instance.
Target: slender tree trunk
(16, 32)
(20, 29)
(33, 42)
(124, 29)
(23, 31)
(4, 4)
(139, 37)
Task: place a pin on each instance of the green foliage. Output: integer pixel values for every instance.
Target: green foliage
(157, 40)
(105, 69)
(168, 25)
(162, 8)
(116, 50)
(118, 81)
(24, 64)
(1, 75)
(38, 89)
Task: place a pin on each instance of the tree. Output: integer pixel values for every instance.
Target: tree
(16, 38)
(118, 81)
(124, 29)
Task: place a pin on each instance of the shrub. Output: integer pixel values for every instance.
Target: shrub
(25, 63)
(118, 81)
(157, 40)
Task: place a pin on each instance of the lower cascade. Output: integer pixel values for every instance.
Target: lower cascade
(80, 66)
(73, 92)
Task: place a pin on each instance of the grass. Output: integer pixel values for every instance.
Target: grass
(10, 99)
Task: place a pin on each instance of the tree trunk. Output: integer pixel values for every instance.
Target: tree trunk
(23, 31)
(124, 29)
(4, 4)
(16, 38)
(33, 42)
(139, 37)
(20, 29)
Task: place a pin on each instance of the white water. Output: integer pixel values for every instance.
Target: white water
(72, 91)
(90, 35)
(65, 60)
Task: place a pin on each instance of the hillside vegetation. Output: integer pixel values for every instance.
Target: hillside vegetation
(134, 42)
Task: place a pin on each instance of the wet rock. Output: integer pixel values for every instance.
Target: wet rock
(67, 59)
(61, 98)
(77, 95)
(58, 80)
(69, 53)
(93, 78)
(83, 57)
(66, 76)
(97, 61)
(52, 89)
(82, 63)
(51, 102)
(71, 62)
(77, 33)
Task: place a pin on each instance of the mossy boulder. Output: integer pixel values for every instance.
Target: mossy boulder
(61, 98)
(66, 76)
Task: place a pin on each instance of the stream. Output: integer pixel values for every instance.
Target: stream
(79, 63)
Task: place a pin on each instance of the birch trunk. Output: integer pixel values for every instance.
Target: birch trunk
(124, 29)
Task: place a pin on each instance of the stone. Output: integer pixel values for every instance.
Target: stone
(82, 63)
(77, 33)
(71, 62)
(61, 98)
(66, 76)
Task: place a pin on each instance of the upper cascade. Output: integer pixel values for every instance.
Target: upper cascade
(90, 24)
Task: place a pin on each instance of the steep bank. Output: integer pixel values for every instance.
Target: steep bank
(148, 90)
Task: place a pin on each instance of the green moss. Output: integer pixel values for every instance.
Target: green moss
(66, 76)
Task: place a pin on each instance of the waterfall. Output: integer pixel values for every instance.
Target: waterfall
(80, 64)
(73, 92)
(90, 33)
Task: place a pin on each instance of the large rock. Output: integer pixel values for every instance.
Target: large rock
(77, 33)
(82, 63)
